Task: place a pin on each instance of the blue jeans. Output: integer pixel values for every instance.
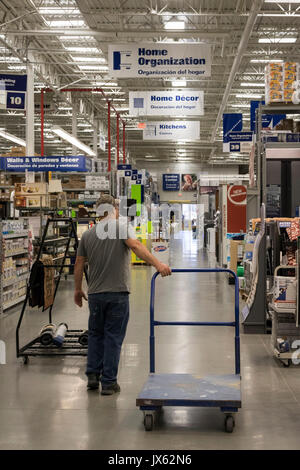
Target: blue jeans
(109, 314)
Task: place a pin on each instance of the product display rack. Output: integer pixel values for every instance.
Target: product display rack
(14, 269)
(261, 146)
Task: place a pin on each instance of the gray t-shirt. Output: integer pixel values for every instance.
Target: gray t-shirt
(107, 255)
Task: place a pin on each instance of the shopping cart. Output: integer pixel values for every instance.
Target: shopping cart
(160, 390)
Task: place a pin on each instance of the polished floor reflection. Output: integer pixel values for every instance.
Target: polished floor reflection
(44, 405)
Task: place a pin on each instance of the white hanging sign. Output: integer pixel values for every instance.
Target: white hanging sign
(172, 130)
(166, 103)
(159, 60)
(102, 142)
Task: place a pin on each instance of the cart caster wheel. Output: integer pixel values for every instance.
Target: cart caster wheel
(229, 423)
(25, 360)
(148, 422)
(288, 363)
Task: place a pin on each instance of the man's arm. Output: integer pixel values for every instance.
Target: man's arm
(78, 275)
(143, 253)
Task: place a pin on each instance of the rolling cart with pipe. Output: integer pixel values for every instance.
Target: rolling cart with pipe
(160, 390)
(71, 345)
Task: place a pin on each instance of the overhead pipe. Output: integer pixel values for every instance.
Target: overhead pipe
(110, 107)
(118, 139)
(255, 8)
(124, 160)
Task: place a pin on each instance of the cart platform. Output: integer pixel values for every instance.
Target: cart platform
(191, 390)
(222, 392)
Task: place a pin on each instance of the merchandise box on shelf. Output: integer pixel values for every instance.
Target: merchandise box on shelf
(236, 253)
(31, 189)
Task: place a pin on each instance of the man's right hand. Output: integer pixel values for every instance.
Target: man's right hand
(164, 269)
(78, 296)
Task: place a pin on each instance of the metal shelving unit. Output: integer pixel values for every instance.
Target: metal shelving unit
(260, 147)
(4, 284)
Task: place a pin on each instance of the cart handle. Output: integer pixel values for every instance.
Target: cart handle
(234, 324)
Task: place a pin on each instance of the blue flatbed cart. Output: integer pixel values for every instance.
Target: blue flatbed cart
(160, 390)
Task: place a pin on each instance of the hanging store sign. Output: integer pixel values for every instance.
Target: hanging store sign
(234, 140)
(268, 121)
(239, 142)
(232, 122)
(102, 142)
(172, 130)
(166, 103)
(158, 60)
(13, 91)
(79, 163)
(171, 182)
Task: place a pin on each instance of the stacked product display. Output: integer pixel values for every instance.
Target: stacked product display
(15, 261)
(281, 80)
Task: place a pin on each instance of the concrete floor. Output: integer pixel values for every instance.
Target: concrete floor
(45, 405)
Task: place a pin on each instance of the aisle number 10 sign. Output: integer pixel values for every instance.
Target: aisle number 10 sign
(13, 91)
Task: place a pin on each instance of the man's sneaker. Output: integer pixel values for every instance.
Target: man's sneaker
(93, 381)
(110, 389)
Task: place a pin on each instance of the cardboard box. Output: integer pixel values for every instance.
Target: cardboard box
(37, 201)
(236, 253)
(31, 189)
(285, 292)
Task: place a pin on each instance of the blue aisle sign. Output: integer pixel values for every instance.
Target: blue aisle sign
(240, 141)
(13, 91)
(78, 163)
(171, 182)
(232, 122)
(124, 167)
(268, 120)
(234, 139)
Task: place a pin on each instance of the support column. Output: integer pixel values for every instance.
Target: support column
(30, 106)
(42, 122)
(95, 140)
(74, 123)
(118, 139)
(108, 137)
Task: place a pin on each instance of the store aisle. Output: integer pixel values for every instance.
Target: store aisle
(45, 405)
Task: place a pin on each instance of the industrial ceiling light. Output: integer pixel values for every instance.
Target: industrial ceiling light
(82, 50)
(279, 39)
(58, 11)
(93, 67)
(240, 105)
(174, 25)
(12, 138)
(281, 1)
(265, 61)
(66, 24)
(251, 84)
(248, 95)
(17, 67)
(179, 83)
(99, 60)
(74, 37)
(72, 140)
